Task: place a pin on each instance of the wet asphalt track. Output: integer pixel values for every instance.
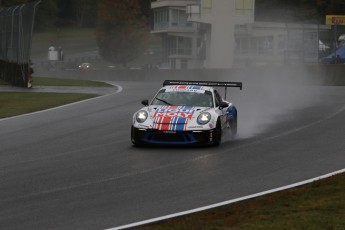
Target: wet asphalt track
(74, 167)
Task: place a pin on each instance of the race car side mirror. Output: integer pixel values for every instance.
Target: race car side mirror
(223, 104)
(145, 102)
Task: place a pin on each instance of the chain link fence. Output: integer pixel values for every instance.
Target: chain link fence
(16, 28)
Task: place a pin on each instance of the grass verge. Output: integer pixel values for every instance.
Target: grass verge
(71, 40)
(17, 103)
(47, 81)
(319, 206)
(44, 81)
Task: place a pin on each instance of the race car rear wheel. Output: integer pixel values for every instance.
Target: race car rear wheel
(233, 127)
(217, 134)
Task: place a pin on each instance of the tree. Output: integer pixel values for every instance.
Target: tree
(46, 12)
(8, 3)
(297, 10)
(146, 9)
(286, 11)
(46, 15)
(122, 30)
(80, 13)
(86, 10)
(330, 7)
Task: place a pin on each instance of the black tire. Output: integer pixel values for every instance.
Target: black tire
(134, 142)
(217, 134)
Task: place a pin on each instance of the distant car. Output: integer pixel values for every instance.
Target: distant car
(149, 52)
(85, 66)
(136, 67)
(185, 113)
(163, 67)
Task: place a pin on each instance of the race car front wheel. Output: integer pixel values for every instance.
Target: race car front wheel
(134, 137)
(217, 135)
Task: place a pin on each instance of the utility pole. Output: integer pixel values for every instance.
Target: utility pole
(335, 41)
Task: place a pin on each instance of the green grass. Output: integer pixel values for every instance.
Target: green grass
(17, 103)
(319, 206)
(2, 82)
(76, 40)
(71, 40)
(47, 81)
(43, 81)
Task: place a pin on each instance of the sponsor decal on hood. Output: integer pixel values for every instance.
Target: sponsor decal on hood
(174, 118)
(175, 111)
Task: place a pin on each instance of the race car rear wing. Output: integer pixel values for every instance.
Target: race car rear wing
(204, 83)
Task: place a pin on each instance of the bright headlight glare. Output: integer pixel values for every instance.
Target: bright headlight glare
(204, 118)
(141, 116)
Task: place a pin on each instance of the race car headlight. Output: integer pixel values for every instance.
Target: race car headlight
(204, 118)
(141, 116)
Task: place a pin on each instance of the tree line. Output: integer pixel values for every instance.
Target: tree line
(84, 13)
(122, 26)
(302, 11)
(71, 13)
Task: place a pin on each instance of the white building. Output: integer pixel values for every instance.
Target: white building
(261, 43)
(222, 33)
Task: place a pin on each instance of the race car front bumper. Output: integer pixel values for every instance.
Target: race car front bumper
(154, 136)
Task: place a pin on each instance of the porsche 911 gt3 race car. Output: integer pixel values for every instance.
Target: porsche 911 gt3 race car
(185, 113)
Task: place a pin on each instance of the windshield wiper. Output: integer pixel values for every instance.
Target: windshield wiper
(165, 102)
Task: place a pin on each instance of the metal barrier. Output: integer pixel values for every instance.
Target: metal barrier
(16, 28)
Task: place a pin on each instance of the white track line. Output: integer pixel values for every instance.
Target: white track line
(342, 109)
(226, 202)
(66, 105)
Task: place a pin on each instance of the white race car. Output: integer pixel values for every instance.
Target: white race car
(185, 113)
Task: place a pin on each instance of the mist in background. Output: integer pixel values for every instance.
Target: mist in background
(271, 96)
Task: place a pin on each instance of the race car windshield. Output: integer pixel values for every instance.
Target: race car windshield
(196, 99)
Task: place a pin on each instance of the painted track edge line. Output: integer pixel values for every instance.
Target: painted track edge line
(119, 90)
(149, 221)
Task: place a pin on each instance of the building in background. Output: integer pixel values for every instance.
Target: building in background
(217, 21)
(199, 33)
(260, 43)
(223, 34)
(179, 36)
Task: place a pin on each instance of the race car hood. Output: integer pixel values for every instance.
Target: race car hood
(174, 118)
